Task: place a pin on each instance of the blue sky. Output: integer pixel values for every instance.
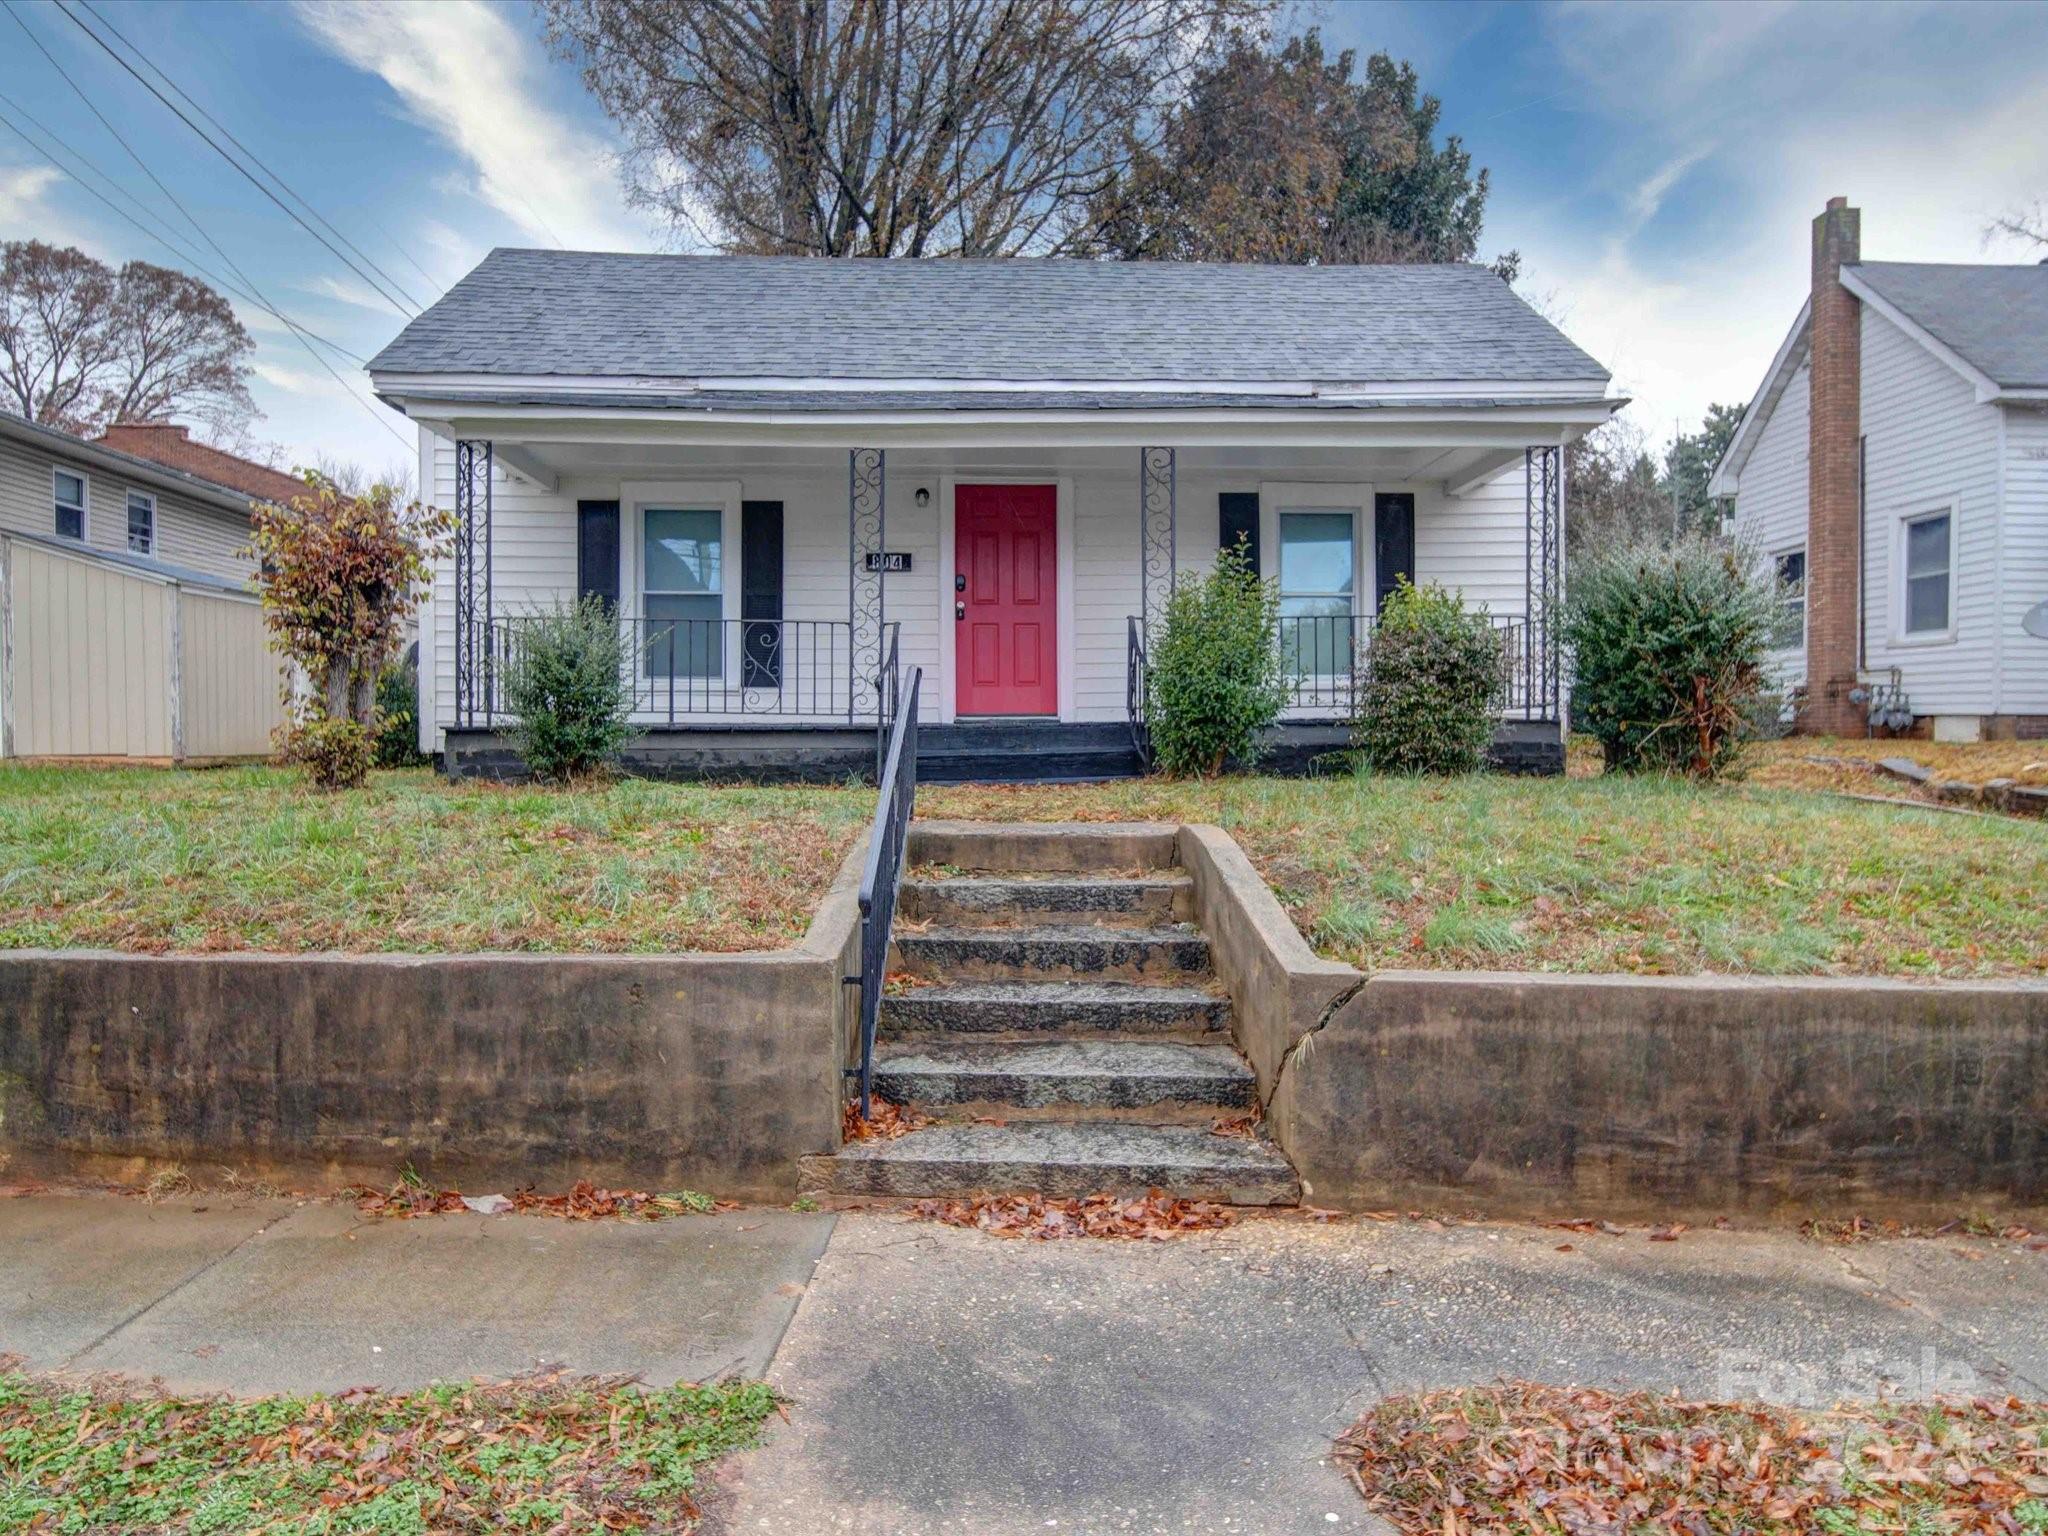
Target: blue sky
(1655, 165)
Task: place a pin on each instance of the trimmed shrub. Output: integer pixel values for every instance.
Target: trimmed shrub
(398, 714)
(568, 688)
(1213, 679)
(337, 751)
(1668, 650)
(1430, 687)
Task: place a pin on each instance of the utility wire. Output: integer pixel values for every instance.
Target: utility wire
(149, 223)
(304, 337)
(158, 70)
(244, 171)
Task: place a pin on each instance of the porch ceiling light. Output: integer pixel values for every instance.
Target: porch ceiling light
(923, 497)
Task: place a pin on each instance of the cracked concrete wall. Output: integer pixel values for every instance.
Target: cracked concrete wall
(1617, 1095)
(712, 1072)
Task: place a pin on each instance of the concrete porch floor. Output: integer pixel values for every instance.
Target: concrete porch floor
(944, 1381)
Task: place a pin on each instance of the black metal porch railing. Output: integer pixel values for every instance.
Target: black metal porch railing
(683, 670)
(1134, 688)
(1323, 655)
(880, 877)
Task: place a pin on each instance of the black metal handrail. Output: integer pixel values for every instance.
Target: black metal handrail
(1134, 688)
(879, 879)
(1323, 655)
(679, 669)
(888, 698)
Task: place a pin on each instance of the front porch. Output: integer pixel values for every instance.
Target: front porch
(773, 595)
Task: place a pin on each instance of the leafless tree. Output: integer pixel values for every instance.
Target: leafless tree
(54, 340)
(82, 345)
(2029, 224)
(886, 127)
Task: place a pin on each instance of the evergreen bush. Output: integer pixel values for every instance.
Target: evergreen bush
(1213, 677)
(1430, 687)
(567, 686)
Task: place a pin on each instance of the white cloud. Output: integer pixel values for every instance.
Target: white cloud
(1732, 126)
(296, 381)
(349, 291)
(467, 73)
(21, 193)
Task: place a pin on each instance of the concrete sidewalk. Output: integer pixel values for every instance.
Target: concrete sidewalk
(944, 1381)
(273, 1296)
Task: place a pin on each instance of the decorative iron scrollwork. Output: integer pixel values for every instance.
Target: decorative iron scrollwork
(474, 683)
(866, 492)
(1157, 554)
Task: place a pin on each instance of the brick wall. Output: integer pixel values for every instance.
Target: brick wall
(1833, 513)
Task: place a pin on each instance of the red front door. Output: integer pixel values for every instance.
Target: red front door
(1006, 594)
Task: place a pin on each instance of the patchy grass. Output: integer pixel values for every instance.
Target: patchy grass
(1643, 875)
(252, 858)
(541, 1455)
(1849, 763)
(1520, 1458)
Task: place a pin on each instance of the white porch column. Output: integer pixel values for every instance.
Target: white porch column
(1157, 554)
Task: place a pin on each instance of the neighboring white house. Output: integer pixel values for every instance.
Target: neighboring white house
(1894, 469)
(797, 478)
(127, 624)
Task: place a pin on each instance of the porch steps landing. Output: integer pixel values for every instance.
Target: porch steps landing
(1026, 751)
(1064, 1030)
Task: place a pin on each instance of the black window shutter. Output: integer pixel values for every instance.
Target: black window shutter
(1237, 519)
(597, 552)
(1393, 543)
(761, 594)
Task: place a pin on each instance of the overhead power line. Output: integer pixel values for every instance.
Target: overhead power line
(399, 304)
(291, 192)
(303, 336)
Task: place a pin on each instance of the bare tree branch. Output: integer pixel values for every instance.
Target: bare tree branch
(887, 127)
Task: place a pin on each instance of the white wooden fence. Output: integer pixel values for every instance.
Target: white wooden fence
(104, 658)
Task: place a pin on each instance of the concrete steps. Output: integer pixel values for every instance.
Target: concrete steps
(1167, 1080)
(1140, 901)
(1054, 1011)
(1074, 951)
(1065, 1159)
(1073, 1009)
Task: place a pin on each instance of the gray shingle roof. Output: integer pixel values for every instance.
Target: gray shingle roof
(802, 401)
(1994, 317)
(574, 313)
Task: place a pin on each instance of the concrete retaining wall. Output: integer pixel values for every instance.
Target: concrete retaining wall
(710, 1072)
(1616, 1095)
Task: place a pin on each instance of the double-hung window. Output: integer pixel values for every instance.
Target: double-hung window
(69, 499)
(1928, 545)
(141, 523)
(1318, 586)
(682, 596)
(1790, 631)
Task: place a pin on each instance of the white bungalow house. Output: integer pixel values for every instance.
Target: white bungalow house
(795, 479)
(1893, 467)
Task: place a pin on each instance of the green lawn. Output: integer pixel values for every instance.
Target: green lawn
(250, 858)
(1606, 874)
(1590, 874)
(519, 1456)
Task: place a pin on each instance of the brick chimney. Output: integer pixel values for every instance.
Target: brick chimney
(1833, 512)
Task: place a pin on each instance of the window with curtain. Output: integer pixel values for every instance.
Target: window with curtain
(1318, 566)
(1928, 559)
(682, 586)
(141, 523)
(1790, 634)
(70, 505)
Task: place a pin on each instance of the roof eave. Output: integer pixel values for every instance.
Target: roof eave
(148, 471)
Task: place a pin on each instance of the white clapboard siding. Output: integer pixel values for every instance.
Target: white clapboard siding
(1770, 507)
(2023, 558)
(1475, 543)
(1928, 442)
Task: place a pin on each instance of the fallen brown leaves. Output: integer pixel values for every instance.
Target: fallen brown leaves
(584, 1201)
(885, 1121)
(1154, 1216)
(1523, 1457)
